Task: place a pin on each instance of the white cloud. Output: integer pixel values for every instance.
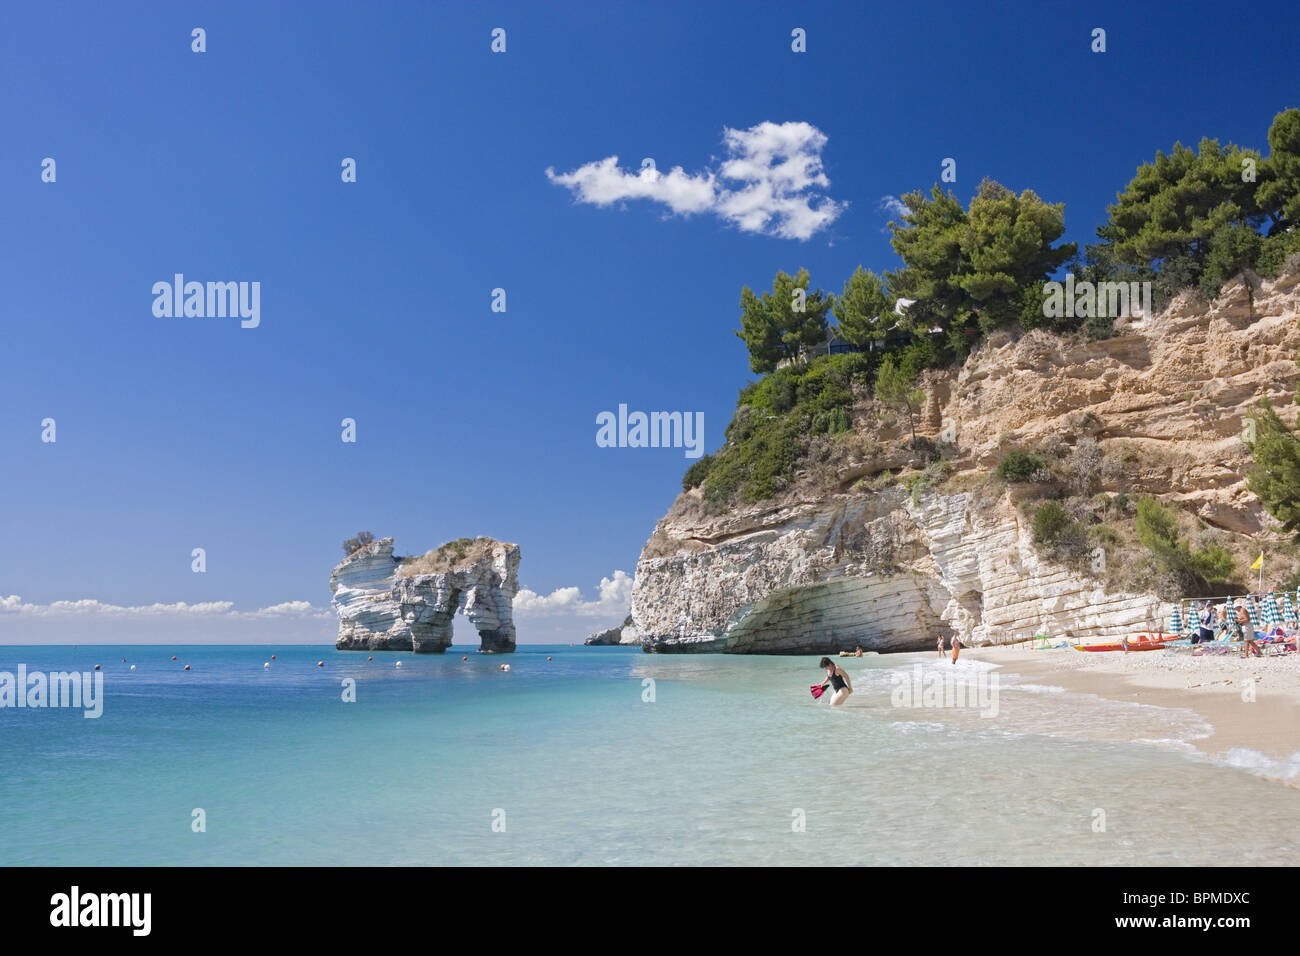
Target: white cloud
(893, 207)
(774, 171)
(614, 600)
(89, 607)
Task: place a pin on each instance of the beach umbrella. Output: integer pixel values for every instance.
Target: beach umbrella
(1270, 612)
(1288, 608)
(1175, 619)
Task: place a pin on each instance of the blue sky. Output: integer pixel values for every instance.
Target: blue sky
(177, 433)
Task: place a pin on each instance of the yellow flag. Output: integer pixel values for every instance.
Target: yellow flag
(1259, 562)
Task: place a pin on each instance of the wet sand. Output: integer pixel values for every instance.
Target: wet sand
(1252, 703)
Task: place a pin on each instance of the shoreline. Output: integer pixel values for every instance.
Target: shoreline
(1214, 688)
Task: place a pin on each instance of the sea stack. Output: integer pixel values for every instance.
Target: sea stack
(390, 603)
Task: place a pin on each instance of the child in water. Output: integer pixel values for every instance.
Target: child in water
(838, 678)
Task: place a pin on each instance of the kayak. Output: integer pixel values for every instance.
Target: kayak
(1136, 642)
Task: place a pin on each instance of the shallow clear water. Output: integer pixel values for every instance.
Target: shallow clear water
(716, 770)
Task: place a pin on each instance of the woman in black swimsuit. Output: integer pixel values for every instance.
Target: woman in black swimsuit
(838, 678)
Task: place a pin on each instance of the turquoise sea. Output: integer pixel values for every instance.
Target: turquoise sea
(565, 760)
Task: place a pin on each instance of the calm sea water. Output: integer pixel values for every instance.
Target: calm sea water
(720, 768)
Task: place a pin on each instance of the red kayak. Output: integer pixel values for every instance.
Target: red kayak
(1136, 642)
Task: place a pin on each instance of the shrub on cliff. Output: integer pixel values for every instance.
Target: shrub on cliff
(362, 539)
(697, 473)
(447, 556)
(767, 440)
(1058, 533)
(1019, 465)
(894, 388)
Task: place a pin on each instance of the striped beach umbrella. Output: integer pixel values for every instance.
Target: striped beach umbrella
(1175, 619)
(1270, 612)
(1288, 608)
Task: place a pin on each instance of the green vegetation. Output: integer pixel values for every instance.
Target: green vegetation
(355, 544)
(863, 311)
(934, 474)
(1275, 479)
(1020, 466)
(894, 389)
(1058, 532)
(975, 271)
(454, 551)
(696, 474)
(1194, 218)
(777, 325)
(1157, 529)
(775, 418)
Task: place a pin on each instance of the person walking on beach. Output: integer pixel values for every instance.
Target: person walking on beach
(940, 645)
(956, 648)
(838, 678)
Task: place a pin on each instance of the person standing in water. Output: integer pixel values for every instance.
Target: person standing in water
(838, 678)
(956, 648)
(940, 645)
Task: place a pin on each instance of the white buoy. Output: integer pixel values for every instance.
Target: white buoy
(266, 666)
(399, 663)
(132, 667)
(505, 667)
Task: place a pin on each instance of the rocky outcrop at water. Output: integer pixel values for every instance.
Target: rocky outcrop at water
(386, 603)
(854, 561)
(625, 633)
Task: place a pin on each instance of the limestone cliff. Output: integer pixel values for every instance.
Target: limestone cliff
(844, 558)
(388, 603)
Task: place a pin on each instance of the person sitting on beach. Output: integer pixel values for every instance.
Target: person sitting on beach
(838, 678)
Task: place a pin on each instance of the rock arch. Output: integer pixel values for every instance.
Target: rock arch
(387, 603)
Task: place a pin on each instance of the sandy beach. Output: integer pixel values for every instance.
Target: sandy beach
(1251, 703)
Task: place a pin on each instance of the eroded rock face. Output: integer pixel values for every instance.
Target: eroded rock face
(625, 633)
(381, 610)
(830, 569)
